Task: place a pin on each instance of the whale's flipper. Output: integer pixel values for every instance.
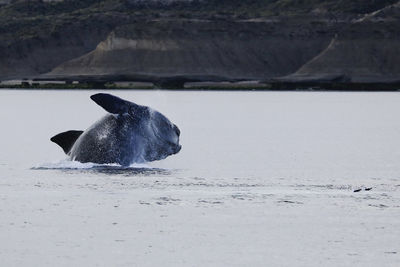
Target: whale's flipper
(66, 139)
(113, 104)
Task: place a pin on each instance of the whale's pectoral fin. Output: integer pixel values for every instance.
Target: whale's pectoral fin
(113, 104)
(66, 139)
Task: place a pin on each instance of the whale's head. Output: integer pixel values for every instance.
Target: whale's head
(162, 136)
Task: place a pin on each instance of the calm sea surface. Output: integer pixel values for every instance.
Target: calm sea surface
(262, 178)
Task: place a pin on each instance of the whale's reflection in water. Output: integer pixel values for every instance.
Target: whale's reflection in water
(124, 171)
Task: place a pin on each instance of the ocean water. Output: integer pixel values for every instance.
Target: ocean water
(263, 179)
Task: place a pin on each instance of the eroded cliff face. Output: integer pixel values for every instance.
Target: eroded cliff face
(231, 49)
(368, 50)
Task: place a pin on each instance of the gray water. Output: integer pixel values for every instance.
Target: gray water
(262, 178)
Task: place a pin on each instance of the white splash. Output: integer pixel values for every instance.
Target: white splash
(74, 165)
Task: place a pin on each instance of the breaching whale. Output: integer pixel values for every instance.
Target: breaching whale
(128, 134)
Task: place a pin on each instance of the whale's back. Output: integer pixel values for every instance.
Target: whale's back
(112, 139)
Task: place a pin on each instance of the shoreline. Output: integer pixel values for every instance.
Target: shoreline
(250, 86)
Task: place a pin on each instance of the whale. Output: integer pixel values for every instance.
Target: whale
(129, 133)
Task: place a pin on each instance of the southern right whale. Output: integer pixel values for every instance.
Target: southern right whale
(129, 133)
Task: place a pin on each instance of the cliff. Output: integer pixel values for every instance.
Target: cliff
(311, 40)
